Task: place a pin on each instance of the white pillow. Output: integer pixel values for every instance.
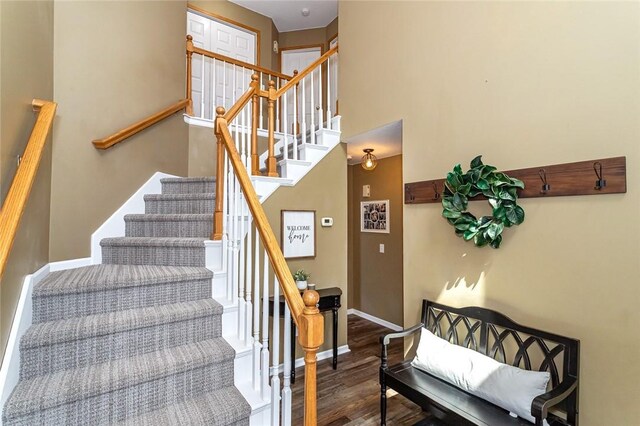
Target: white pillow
(506, 386)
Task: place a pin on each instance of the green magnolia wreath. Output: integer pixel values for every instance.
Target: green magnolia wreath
(500, 189)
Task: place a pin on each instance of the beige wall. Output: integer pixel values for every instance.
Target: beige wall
(26, 72)
(525, 84)
(331, 30)
(114, 63)
(324, 190)
(202, 151)
(312, 36)
(247, 17)
(375, 286)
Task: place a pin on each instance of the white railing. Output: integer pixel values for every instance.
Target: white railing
(251, 280)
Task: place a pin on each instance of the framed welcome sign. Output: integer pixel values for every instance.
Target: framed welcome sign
(298, 233)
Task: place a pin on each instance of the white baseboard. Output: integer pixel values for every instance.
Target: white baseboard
(69, 264)
(115, 225)
(377, 320)
(22, 320)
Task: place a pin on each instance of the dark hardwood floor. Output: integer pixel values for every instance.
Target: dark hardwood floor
(350, 395)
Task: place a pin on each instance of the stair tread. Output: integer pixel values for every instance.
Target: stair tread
(64, 387)
(224, 406)
(188, 179)
(55, 332)
(152, 242)
(168, 217)
(180, 197)
(105, 277)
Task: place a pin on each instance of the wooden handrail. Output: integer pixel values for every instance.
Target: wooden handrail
(295, 80)
(304, 310)
(269, 239)
(230, 60)
(123, 134)
(16, 201)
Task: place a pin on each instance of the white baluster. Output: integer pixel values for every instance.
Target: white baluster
(260, 101)
(275, 354)
(285, 147)
(202, 104)
(229, 229)
(224, 85)
(236, 239)
(303, 116)
(264, 367)
(329, 93)
(295, 122)
(313, 115)
(234, 88)
(278, 102)
(256, 315)
(213, 88)
(241, 252)
(249, 284)
(320, 114)
(286, 379)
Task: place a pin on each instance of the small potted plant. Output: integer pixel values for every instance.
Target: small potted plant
(301, 276)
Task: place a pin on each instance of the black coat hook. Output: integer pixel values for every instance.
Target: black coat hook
(600, 183)
(410, 196)
(543, 177)
(435, 190)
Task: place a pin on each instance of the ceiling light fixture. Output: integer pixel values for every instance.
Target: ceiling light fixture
(369, 161)
(305, 12)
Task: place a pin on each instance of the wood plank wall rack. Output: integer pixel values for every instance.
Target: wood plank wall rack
(592, 177)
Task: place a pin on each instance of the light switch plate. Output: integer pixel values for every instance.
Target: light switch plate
(366, 190)
(381, 248)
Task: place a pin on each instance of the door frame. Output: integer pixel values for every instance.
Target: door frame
(231, 22)
(303, 47)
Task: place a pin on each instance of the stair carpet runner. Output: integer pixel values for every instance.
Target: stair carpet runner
(136, 340)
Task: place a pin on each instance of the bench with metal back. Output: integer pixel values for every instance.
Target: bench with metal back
(495, 335)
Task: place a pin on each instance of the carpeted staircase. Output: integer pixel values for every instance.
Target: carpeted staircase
(138, 339)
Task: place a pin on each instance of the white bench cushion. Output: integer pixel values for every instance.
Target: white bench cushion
(506, 386)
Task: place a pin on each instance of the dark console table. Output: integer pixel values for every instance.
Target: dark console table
(329, 301)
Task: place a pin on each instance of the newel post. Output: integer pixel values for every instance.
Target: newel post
(255, 167)
(311, 337)
(189, 55)
(218, 214)
(271, 159)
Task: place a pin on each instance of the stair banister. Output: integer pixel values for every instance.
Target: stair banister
(271, 159)
(18, 195)
(189, 109)
(303, 309)
(295, 80)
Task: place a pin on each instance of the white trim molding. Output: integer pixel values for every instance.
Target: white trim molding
(22, 320)
(376, 320)
(115, 225)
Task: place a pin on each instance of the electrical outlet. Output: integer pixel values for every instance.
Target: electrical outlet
(381, 248)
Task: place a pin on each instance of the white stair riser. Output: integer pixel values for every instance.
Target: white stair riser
(230, 323)
(243, 368)
(219, 289)
(213, 255)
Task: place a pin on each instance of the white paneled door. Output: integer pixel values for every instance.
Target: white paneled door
(214, 82)
(299, 59)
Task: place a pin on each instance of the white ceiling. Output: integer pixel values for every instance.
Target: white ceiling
(386, 141)
(287, 14)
